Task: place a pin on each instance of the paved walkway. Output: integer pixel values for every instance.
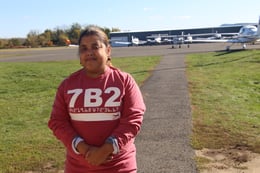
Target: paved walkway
(163, 145)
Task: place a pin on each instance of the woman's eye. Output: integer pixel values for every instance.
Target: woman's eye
(96, 47)
(93, 48)
(83, 49)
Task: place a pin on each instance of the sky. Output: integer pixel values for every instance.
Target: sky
(19, 17)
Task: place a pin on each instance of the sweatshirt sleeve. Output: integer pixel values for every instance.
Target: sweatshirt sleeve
(59, 121)
(133, 109)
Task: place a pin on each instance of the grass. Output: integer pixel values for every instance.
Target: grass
(27, 92)
(225, 97)
(224, 90)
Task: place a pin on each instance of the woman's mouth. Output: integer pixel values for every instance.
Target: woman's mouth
(91, 59)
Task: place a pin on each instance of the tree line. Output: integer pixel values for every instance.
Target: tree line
(50, 38)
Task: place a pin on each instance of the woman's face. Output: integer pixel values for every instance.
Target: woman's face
(93, 55)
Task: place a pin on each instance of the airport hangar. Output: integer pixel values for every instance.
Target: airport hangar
(142, 35)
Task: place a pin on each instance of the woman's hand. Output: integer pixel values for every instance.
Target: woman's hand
(99, 155)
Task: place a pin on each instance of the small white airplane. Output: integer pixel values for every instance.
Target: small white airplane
(154, 39)
(181, 39)
(134, 41)
(165, 38)
(188, 38)
(247, 34)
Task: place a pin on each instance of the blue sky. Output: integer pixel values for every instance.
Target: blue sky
(19, 17)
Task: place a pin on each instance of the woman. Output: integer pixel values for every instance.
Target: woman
(98, 111)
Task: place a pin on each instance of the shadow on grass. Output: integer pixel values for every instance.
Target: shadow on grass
(224, 61)
(225, 52)
(159, 69)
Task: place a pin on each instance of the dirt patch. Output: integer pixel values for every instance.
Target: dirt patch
(230, 160)
(47, 168)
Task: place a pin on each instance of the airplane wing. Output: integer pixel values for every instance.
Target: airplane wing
(142, 42)
(234, 40)
(134, 42)
(208, 41)
(212, 34)
(123, 42)
(205, 35)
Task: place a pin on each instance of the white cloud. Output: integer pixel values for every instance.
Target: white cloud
(156, 18)
(185, 17)
(182, 17)
(27, 17)
(147, 9)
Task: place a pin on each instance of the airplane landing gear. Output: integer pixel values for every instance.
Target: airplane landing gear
(228, 48)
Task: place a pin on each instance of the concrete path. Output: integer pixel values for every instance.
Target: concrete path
(163, 144)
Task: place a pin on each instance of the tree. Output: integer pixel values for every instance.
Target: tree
(74, 33)
(3, 43)
(14, 42)
(48, 36)
(45, 38)
(115, 30)
(63, 39)
(107, 31)
(32, 39)
(59, 37)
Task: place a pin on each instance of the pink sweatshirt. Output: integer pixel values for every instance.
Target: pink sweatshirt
(94, 109)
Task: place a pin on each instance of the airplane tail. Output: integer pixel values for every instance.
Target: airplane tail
(132, 38)
(258, 27)
(135, 40)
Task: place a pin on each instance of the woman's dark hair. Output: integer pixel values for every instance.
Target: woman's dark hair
(94, 30)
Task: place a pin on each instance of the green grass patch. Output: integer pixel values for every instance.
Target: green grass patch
(225, 97)
(27, 93)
